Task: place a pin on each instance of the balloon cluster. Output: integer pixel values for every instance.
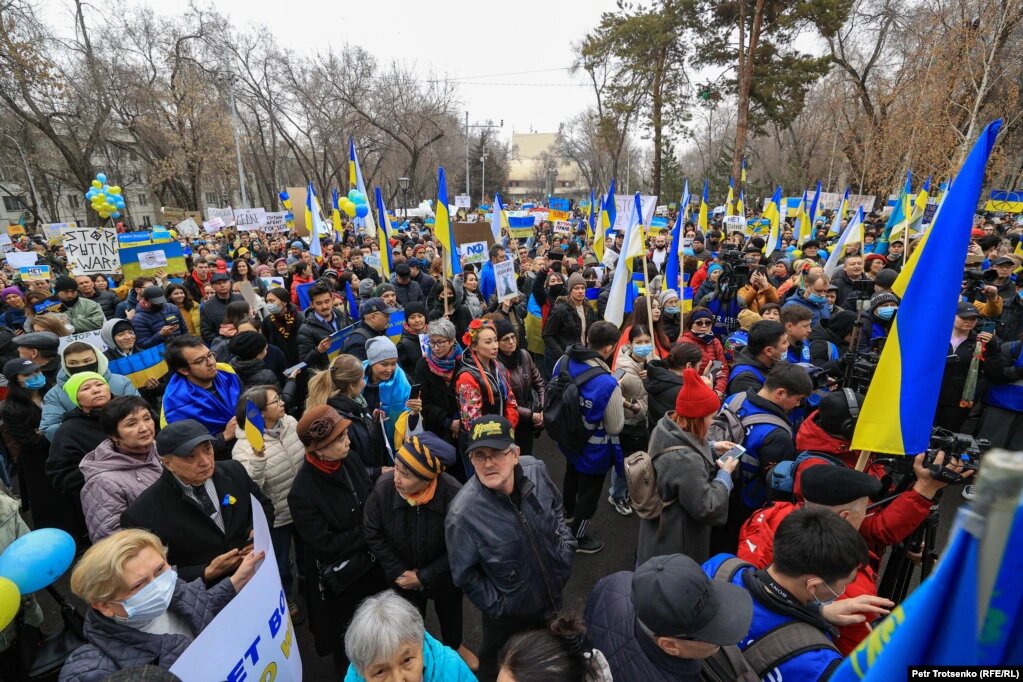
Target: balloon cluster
(355, 204)
(104, 199)
(30, 563)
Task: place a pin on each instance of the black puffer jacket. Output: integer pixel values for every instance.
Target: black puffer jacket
(409, 352)
(254, 373)
(563, 327)
(411, 538)
(512, 555)
(113, 646)
(440, 406)
(366, 436)
(312, 332)
(662, 387)
(78, 435)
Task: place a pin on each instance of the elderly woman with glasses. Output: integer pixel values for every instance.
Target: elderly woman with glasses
(387, 640)
(698, 326)
(435, 372)
(326, 502)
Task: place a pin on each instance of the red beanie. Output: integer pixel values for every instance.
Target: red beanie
(695, 400)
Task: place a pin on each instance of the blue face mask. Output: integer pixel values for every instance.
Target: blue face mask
(151, 601)
(817, 298)
(885, 312)
(36, 381)
(642, 350)
(672, 309)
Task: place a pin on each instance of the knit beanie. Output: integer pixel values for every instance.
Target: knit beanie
(365, 288)
(695, 400)
(666, 296)
(883, 298)
(7, 291)
(573, 281)
(712, 268)
(503, 328)
(748, 318)
(441, 327)
(700, 314)
(247, 345)
(380, 348)
(841, 323)
(75, 381)
(414, 308)
(425, 458)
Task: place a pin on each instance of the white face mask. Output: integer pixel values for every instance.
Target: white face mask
(151, 601)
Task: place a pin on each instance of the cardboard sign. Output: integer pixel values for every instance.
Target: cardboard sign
(52, 231)
(226, 215)
(734, 222)
(249, 219)
(467, 233)
(625, 204)
(35, 273)
(473, 252)
(93, 338)
(187, 228)
(562, 227)
(92, 250)
(297, 197)
(463, 201)
(173, 216)
(275, 221)
(213, 225)
(504, 273)
(20, 259)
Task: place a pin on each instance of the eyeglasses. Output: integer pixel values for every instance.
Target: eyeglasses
(204, 359)
(480, 457)
(276, 401)
(703, 323)
(441, 341)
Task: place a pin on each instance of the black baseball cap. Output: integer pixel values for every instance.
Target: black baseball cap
(837, 485)
(220, 277)
(154, 294)
(492, 432)
(673, 597)
(375, 305)
(965, 309)
(180, 438)
(1002, 260)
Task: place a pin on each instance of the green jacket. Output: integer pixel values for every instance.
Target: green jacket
(85, 315)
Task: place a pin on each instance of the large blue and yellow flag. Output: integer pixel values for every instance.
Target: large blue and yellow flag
(149, 259)
(335, 213)
(623, 290)
(313, 222)
(355, 181)
(1002, 200)
(812, 211)
(142, 366)
(701, 221)
(498, 220)
(804, 226)
(289, 218)
(899, 220)
(605, 219)
(443, 229)
(772, 213)
(899, 409)
(836, 223)
(386, 264)
(673, 269)
(254, 426)
(730, 200)
(852, 234)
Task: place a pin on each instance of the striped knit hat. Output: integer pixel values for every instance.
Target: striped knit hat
(425, 455)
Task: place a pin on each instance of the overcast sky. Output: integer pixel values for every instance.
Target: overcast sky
(509, 58)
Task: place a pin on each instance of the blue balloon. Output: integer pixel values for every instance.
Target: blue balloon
(90, 194)
(115, 214)
(119, 201)
(360, 200)
(37, 559)
(361, 210)
(352, 193)
(102, 177)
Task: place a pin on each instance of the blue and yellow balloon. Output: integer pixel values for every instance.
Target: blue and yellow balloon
(105, 199)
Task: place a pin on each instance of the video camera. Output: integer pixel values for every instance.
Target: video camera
(862, 290)
(974, 281)
(735, 271)
(859, 369)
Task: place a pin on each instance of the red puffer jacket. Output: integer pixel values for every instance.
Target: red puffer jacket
(711, 351)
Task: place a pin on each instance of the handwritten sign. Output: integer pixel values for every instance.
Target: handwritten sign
(35, 273)
(226, 215)
(249, 219)
(463, 201)
(213, 225)
(52, 231)
(473, 252)
(173, 216)
(187, 228)
(91, 250)
(504, 273)
(562, 227)
(275, 221)
(734, 222)
(559, 215)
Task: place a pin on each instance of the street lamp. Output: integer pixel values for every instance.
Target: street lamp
(483, 178)
(28, 173)
(467, 129)
(404, 183)
(552, 174)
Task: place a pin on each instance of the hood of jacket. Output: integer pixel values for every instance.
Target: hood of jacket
(106, 458)
(581, 353)
(106, 333)
(812, 437)
(100, 358)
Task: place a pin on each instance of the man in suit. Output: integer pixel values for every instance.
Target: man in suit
(198, 507)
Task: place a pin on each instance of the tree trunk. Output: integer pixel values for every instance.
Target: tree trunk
(747, 55)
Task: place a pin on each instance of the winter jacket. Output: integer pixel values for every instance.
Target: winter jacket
(193, 323)
(564, 328)
(745, 373)
(12, 527)
(409, 352)
(766, 445)
(274, 472)
(603, 411)
(355, 342)
(711, 350)
(148, 323)
(129, 303)
(632, 386)
(631, 654)
(365, 434)
(407, 293)
(211, 316)
(112, 646)
(56, 402)
(474, 398)
(107, 301)
(192, 538)
(688, 479)
(824, 347)
(442, 406)
(755, 300)
(511, 554)
(254, 373)
(388, 396)
(289, 343)
(662, 387)
(527, 384)
(820, 311)
(1010, 324)
(79, 434)
(440, 664)
(84, 315)
(113, 480)
(403, 537)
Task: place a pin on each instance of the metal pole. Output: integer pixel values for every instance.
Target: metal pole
(28, 173)
(483, 179)
(237, 141)
(467, 152)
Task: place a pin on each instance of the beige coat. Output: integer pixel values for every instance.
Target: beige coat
(275, 471)
(632, 385)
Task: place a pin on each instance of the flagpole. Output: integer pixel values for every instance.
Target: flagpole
(646, 285)
(998, 493)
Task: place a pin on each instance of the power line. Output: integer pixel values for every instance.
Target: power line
(501, 75)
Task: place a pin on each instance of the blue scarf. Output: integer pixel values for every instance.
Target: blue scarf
(212, 409)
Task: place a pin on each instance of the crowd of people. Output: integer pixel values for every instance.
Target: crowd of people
(401, 469)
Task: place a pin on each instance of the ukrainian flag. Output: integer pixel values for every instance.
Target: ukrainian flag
(443, 230)
(740, 205)
(673, 268)
(286, 205)
(605, 220)
(853, 233)
(836, 224)
(702, 220)
(804, 228)
(386, 265)
(335, 213)
(142, 366)
(813, 205)
(901, 215)
(1001, 200)
(913, 360)
(356, 182)
(919, 206)
(729, 207)
(772, 213)
(313, 222)
(499, 219)
(619, 299)
(136, 260)
(591, 220)
(254, 426)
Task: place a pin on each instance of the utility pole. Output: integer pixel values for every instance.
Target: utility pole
(468, 127)
(483, 179)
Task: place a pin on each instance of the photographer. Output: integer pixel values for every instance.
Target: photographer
(958, 364)
(852, 270)
(1002, 424)
(758, 292)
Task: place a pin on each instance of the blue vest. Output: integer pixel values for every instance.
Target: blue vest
(753, 487)
(808, 665)
(796, 355)
(602, 451)
(726, 315)
(1008, 396)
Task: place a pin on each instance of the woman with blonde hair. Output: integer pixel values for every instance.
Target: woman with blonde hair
(341, 386)
(140, 611)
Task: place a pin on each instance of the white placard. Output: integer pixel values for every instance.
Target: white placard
(373, 261)
(248, 219)
(21, 259)
(91, 250)
(153, 260)
(473, 252)
(93, 338)
(226, 215)
(275, 221)
(504, 273)
(562, 227)
(52, 231)
(625, 204)
(252, 638)
(187, 228)
(734, 222)
(5, 242)
(213, 225)
(463, 201)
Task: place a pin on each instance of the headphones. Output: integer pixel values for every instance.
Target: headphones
(849, 425)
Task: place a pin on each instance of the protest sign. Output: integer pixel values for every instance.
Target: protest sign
(275, 221)
(625, 204)
(297, 196)
(473, 252)
(147, 259)
(35, 273)
(562, 227)
(93, 338)
(226, 215)
(373, 261)
(463, 201)
(466, 233)
(213, 225)
(520, 224)
(504, 273)
(20, 259)
(560, 204)
(5, 243)
(248, 219)
(52, 231)
(187, 228)
(252, 638)
(555, 216)
(91, 250)
(16, 230)
(271, 282)
(173, 216)
(134, 238)
(734, 222)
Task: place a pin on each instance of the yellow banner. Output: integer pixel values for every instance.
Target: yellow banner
(558, 215)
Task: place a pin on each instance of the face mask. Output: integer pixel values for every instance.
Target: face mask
(705, 337)
(671, 310)
(36, 381)
(151, 601)
(557, 290)
(825, 602)
(817, 298)
(156, 306)
(273, 308)
(885, 312)
(642, 350)
(91, 367)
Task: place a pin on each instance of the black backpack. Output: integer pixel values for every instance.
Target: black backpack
(562, 415)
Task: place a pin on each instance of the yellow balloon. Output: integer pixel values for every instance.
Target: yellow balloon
(10, 601)
(97, 184)
(115, 190)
